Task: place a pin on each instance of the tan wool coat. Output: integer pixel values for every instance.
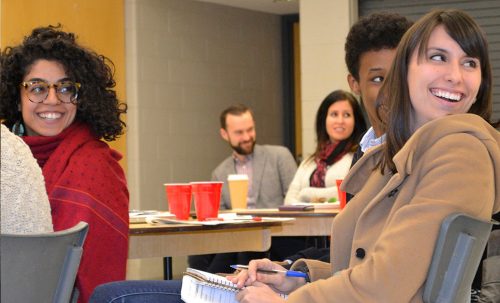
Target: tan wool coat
(383, 241)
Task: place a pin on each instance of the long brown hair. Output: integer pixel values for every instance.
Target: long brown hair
(394, 104)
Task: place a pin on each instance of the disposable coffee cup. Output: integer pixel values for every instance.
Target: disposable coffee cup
(238, 191)
(179, 199)
(206, 199)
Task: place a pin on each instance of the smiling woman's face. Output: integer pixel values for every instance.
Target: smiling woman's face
(50, 117)
(339, 121)
(444, 81)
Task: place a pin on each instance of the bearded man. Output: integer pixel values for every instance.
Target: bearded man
(270, 168)
(270, 171)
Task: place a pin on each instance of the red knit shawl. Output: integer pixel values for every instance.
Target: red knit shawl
(85, 183)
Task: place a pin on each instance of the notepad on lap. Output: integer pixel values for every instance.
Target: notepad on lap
(203, 287)
(200, 287)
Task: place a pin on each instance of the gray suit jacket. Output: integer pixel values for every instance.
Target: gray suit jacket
(273, 171)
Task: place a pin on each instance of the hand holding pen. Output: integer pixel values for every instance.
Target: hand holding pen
(270, 273)
(288, 273)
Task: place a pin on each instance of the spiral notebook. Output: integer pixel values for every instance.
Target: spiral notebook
(203, 287)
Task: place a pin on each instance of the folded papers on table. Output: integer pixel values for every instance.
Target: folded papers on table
(223, 218)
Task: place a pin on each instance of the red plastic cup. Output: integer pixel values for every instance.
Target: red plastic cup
(206, 199)
(342, 194)
(179, 199)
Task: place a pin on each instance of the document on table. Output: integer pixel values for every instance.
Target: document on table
(140, 216)
(224, 218)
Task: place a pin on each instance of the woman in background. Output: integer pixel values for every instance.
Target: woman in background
(339, 127)
(59, 97)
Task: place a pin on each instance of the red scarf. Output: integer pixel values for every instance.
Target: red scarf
(323, 160)
(85, 183)
(42, 147)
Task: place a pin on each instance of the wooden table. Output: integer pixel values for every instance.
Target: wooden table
(147, 241)
(307, 223)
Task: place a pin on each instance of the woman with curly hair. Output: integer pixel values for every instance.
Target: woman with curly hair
(59, 97)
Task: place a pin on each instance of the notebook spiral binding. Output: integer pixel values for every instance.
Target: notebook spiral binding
(221, 284)
(218, 283)
(227, 285)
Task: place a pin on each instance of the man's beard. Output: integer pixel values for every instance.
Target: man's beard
(239, 150)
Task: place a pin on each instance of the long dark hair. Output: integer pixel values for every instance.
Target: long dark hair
(97, 106)
(322, 137)
(394, 103)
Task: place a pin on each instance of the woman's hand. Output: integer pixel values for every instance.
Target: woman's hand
(258, 293)
(318, 199)
(279, 281)
(311, 195)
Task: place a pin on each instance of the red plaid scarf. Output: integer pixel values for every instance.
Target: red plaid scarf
(327, 157)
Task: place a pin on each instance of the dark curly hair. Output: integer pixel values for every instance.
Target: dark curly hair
(373, 33)
(97, 105)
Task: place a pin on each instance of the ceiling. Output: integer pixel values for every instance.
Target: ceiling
(278, 7)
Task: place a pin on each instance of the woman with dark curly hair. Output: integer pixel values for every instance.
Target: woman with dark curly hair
(59, 97)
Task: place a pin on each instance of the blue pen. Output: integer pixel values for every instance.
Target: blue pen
(289, 273)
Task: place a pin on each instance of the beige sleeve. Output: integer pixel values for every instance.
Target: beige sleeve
(317, 269)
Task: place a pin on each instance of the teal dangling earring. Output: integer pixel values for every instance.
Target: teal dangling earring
(18, 128)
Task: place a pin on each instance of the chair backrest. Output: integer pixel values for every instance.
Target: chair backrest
(457, 254)
(41, 267)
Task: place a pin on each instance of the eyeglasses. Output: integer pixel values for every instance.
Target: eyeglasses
(38, 91)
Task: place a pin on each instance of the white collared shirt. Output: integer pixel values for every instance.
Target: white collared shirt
(370, 140)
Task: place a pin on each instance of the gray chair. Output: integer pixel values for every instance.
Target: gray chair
(490, 284)
(457, 254)
(41, 267)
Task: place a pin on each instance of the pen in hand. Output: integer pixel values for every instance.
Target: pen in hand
(288, 273)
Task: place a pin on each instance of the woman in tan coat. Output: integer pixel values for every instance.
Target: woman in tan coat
(441, 156)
